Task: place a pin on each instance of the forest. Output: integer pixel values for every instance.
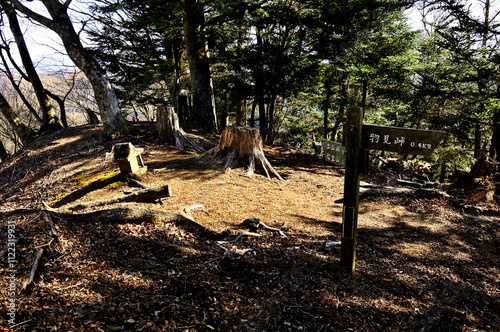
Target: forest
(289, 67)
(191, 243)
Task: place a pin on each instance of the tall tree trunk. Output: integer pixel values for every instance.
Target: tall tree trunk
(25, 133)
(104, 94)
(364, 93)
(199, 66)
(477, 140)
(4, 154)
(240, 113)
(326, 106)
(495, 139)
(259, 86)
(252, 113)
(16, 87)
(62, 107)
(270, 110)
(50, 120)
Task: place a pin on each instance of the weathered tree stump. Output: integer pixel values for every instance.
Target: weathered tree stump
(169, 130)
(242, 147)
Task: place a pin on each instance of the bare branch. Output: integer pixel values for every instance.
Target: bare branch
(33, 15)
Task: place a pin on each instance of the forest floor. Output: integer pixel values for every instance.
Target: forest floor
(422, 264)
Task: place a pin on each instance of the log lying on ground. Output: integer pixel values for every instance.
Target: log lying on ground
(95, 185)
(137, 196)
(369, 190)
(242, 147)
(124, 215)
(169, 130)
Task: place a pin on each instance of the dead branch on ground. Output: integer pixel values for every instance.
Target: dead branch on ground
(254, 224)
(33, 270)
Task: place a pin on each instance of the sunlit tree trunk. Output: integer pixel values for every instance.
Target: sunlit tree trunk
(25, 133)
(50, 120)
(16, 85)
(104, 94)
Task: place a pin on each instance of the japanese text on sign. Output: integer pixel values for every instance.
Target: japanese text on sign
(401, 140)
(375, 138)
(334, 152)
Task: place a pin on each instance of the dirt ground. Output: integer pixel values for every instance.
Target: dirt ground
(422, 264)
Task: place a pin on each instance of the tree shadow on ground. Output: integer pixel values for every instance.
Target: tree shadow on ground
(162, 277)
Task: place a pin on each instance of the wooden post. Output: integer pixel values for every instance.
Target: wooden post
(351, 187)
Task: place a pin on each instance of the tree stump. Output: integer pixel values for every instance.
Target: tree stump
(242, 147)
(169, 130)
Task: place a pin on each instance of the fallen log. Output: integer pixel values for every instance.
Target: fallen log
(138, 215)
(147, 194)
(95, 185)
(369, 190)
(124, 215)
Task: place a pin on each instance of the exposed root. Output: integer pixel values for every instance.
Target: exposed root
(254, 224)
(240, 235)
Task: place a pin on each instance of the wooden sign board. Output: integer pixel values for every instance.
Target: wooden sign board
(334, 152)
(357, 138)
(401, 140)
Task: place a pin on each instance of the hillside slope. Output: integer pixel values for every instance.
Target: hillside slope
(421, 264)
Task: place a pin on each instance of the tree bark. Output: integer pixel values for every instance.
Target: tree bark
(125, 215)
(50, 120)
(4, 154)
(242, 147)
(16, 87)
(25, 133)
(199, 66)
(169, 130)
(60, 22)
(495, 139)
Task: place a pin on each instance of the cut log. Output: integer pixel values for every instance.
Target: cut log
(242, 147)
(138, 196)
(369, 190)
(169, 130)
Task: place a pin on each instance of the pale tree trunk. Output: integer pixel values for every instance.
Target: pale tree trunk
(199, 66)
(50, 120)
(104, 94)
(169, 130)
(16, 85)
(242, 147)
(25, 133)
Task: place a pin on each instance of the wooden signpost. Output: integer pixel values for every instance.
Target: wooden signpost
(357, 138)
(334, 152)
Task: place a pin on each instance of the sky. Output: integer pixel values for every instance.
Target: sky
(47, 51)
(45, 46)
